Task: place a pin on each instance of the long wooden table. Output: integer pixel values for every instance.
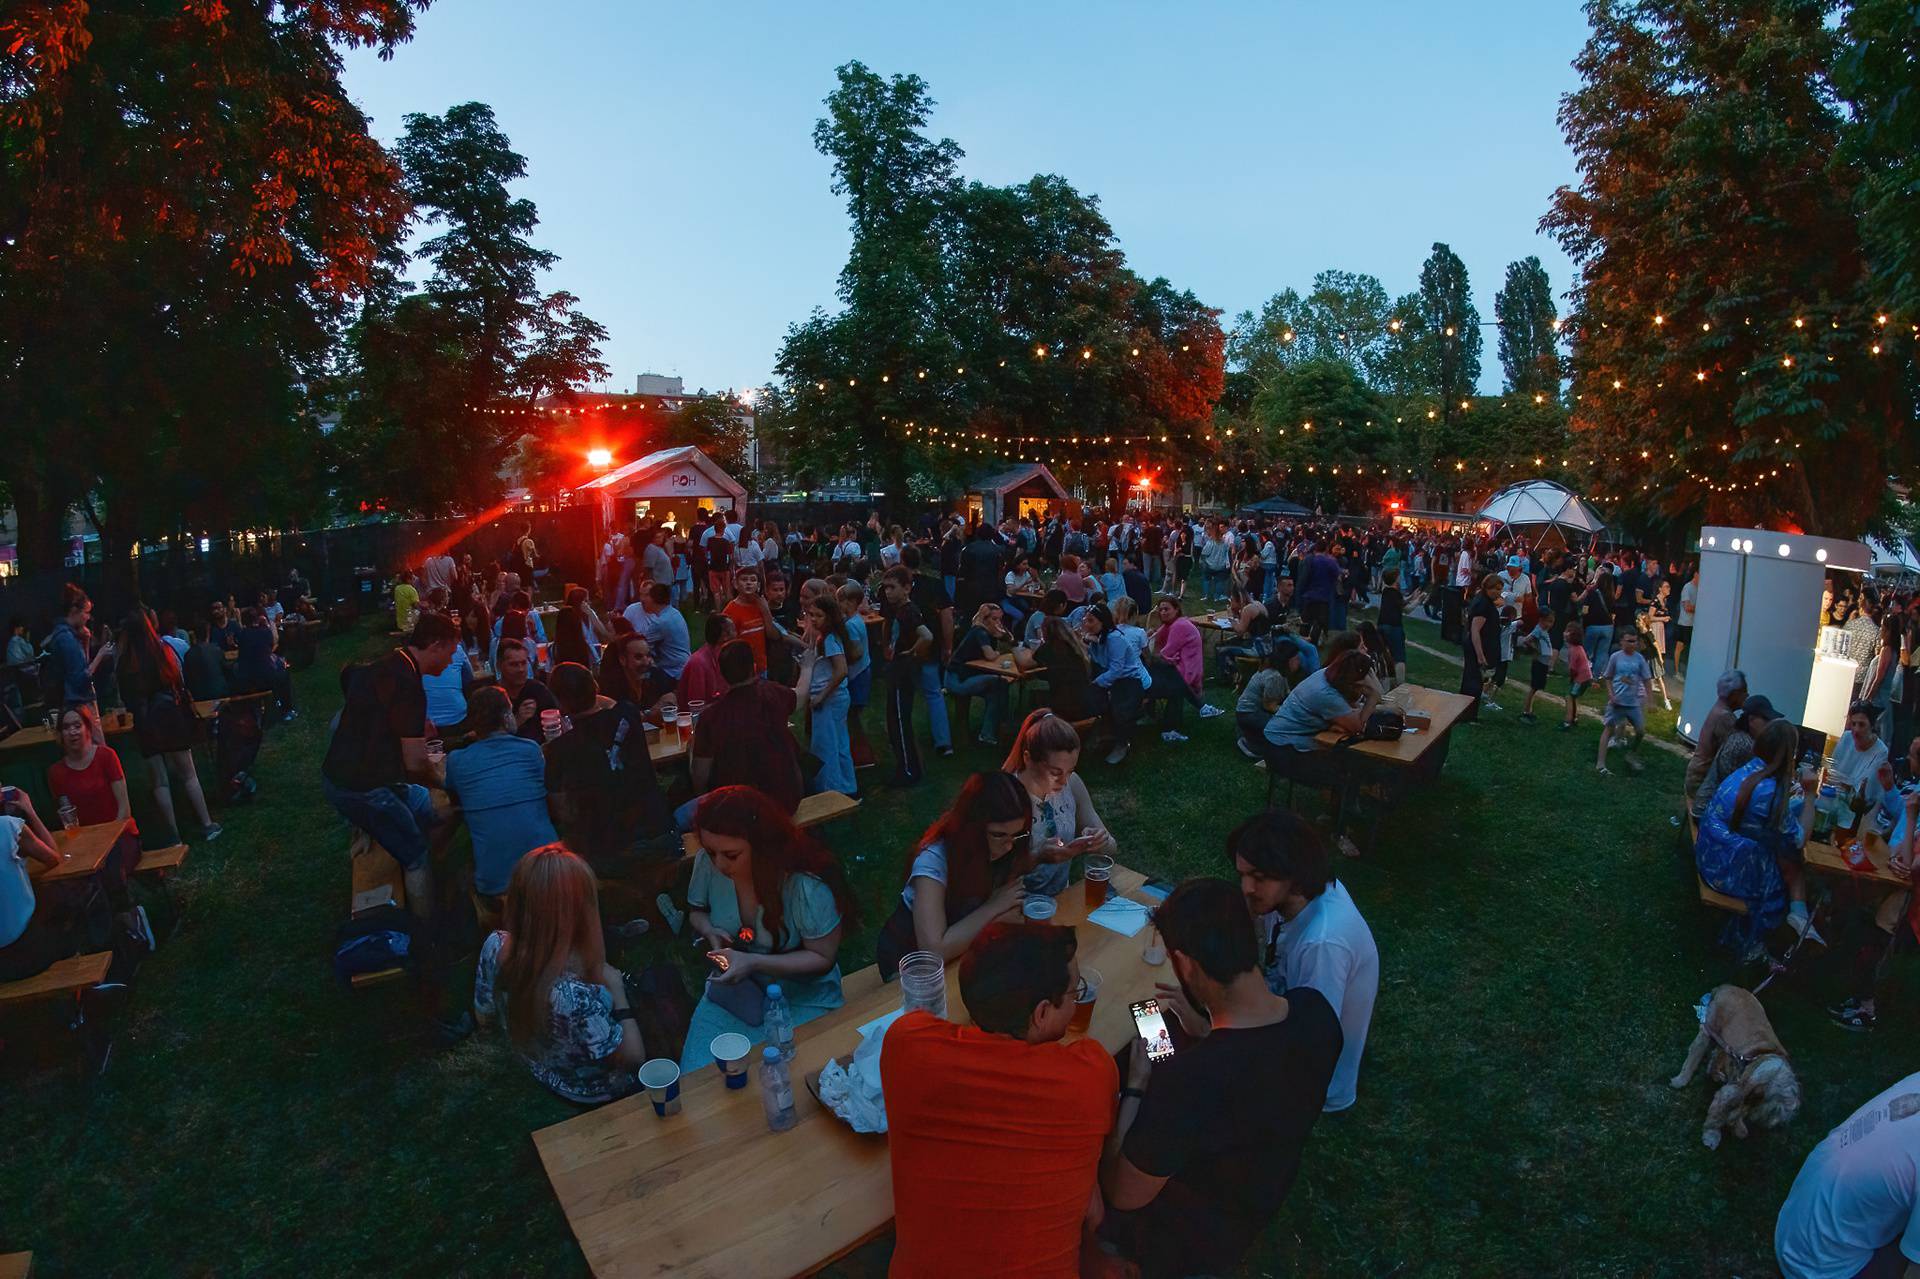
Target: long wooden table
(82, 850)
(1827, 859)
(113, 724)
(710, 1192)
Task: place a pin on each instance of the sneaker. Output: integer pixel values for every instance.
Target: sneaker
(1172, 736)
(670, 913)
(1259, 763)
(213, 832)
(1803, 926)
(1851, 1016)
(989, 741)
(1210, 711)
(1526, 717)
(1118, 754)
(944, 752)
(1490, 704)
(1602, 770)
(452, 1030)
(1633, 763)
(143, 928)
(1347, 847)
(632, 930)
(1565, 726)
(1248, 751)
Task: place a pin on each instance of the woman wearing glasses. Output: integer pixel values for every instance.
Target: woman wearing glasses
(966, 874)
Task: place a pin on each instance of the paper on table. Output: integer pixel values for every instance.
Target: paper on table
(1120, 916)
(880, 1023)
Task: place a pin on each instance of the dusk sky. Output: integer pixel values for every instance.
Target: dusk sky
(1235, 148)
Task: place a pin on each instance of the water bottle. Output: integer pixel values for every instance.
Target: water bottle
(776, 1090)
(777, 1021)
(70, 820)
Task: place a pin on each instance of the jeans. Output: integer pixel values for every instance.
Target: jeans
(398, 818)
(1396, 637)
(830, 745)
(1120, 703)
(1253, 728)
(990, 689)
(1226, 657)
(1214, 583)
(1156, 571)
(1337, 612)
(933, 695)
(1171, 691)
(1598, 640)
(951, 583)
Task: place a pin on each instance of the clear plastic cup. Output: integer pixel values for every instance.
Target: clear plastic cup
(1084, 998)
(1038, 909)
(923, 983)
(1099, 879)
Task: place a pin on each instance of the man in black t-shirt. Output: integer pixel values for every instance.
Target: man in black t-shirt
(377, 757)
(601, 788)
(908, 643)
(935, 605)
(1207, 1143)
(528, 697)
(1556, 594)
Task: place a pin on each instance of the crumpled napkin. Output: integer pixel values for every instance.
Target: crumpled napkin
(854, 1093)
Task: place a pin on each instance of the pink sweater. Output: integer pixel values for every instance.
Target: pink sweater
(1179, 643)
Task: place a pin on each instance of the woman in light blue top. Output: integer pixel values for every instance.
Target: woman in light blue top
(772, 906)
(1120, 684)
(823, 682)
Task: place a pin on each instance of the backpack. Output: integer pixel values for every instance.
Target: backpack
(1384, 725)
(368, 943)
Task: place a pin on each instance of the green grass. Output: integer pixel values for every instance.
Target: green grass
(1541, 949)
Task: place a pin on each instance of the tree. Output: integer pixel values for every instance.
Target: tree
(1438, 352)
(189, 202)
(1529, 330)
(429, 373)
(1345, 317)
(1727, 355)
(1875, 73)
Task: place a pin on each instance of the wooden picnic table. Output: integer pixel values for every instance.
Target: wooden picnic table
(1005, 668)
(1412, 750)
(1828, 860)
(114, 724)
(710, 1192)
(81, 849)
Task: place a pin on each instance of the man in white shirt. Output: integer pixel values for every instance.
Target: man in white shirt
(654, 616)
(1854, 1209)
(1311, 933)
(1515, 584)
(438, 571)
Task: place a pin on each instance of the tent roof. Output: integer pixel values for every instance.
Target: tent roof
(1540, 502)
(1000, 483)
(1276, 506)
(638, 472)
(1895, 556)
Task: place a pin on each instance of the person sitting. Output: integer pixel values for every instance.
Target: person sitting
(578, 631)
(601, 788)
(1176, 664)
(962, 680)
(29, 943)
(743, 739)
(703, 680)
(545, 975)
(965, 874)
(1339, 697)
(1731, 694)
(773, 905)
(259, 669)
(1043, 759)
(655, 617)
(1071, 582)
(205, 666)
(630, 675)
(1247, 639)
(1736, 747)
(1266, 689)
(447, 695)
(1313, 932)
(1853, 1207)
(1751, 836)
(1113, 587)
(1137, 587)
(406, 601)
(1207, 1143)
(518, 621)
(1120, 681)
(500, 781)
(1062, 658)
(1858, 757)
(526, 695)
(1052, 604)
(994, 1129)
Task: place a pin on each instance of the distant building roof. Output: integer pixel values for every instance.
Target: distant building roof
(1000, 483)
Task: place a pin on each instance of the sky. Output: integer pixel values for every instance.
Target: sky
(1236, 148)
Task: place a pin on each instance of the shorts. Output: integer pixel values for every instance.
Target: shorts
(720, 581)
(1537, 678)
(1396, 637)
(860, 688)
(1619, 714)
(398, 818)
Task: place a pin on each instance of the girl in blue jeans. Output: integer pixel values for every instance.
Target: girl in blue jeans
(823, 682)
(963, 680)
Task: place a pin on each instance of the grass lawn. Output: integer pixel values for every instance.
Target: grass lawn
(1541, 948)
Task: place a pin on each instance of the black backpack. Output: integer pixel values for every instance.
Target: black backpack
(1384, 725)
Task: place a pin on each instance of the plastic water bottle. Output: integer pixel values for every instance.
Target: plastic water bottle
(776, 1090)
(778, 1023)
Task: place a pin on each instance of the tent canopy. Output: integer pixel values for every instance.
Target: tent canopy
(1276, 506)
(680, 473)
(1894, 556)
(1541, 504)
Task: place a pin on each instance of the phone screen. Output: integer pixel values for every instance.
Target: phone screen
(1152, 1025)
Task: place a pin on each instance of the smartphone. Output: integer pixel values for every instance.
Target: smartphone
(717, 959)
(1152, 1025)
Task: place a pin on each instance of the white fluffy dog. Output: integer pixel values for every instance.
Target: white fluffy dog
(1758, 1087)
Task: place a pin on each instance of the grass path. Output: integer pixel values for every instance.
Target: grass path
(1541, 948)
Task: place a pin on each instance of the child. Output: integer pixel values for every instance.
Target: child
(1539, 642)
(1579, 672)
(1509, 630)
(1629, 682)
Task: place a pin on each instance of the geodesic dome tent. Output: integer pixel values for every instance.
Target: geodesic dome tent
(1542, 505)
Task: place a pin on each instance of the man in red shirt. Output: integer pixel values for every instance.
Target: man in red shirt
(995, 1129)
(751, 617)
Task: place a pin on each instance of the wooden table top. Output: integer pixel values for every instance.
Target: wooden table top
(1828, 859)
(670, 748)
(1003, 667)
(712, 1192)
(1444, 708)
(83, 849)
(115, 723)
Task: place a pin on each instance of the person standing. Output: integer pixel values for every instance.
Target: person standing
(1683, 620)
(908, 642)
(1480, 647)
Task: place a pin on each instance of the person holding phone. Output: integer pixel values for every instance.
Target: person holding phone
(772, 904)
(1045, 753)
(966, 874)
(1206, 1144)
(994, 1129)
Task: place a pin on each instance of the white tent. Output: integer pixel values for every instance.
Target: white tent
(1541, 504)
(674, 482)
(1893, 558)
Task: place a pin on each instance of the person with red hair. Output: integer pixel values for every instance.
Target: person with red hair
(965, 873)
(546, 975)
(773, 906)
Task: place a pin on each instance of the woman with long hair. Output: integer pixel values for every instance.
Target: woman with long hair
(1751, 836)
(772, 906)
(822, 681)
(545, 974)
(88, 774)
(576, 631)
(965, 872)
(1062, 658)
(1043, 759)
(164, 725)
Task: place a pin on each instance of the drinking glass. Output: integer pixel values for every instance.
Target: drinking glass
(1084, 998)
(1099, 879)
(923, 983)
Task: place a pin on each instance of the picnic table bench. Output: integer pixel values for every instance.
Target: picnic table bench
(814, 810)
(16, 1265)
(378, 882)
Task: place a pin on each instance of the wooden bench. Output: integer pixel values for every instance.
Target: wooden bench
(378, 882)
(68, 977)
(814, 810)
(158, 861)
(1719, 900)
(16, 1265)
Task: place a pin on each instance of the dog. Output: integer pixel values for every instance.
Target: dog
(1758, 1086)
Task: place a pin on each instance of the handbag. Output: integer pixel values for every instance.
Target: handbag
(1384, 725)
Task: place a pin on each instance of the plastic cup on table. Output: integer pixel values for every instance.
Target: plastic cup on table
(1038, 909)
(694, 708)
(923, 983)
(436, 750)
(661, 1078)
(550, 724)
(1084, 998)
(730, 1052)
(683, 726)
(1099, 879)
